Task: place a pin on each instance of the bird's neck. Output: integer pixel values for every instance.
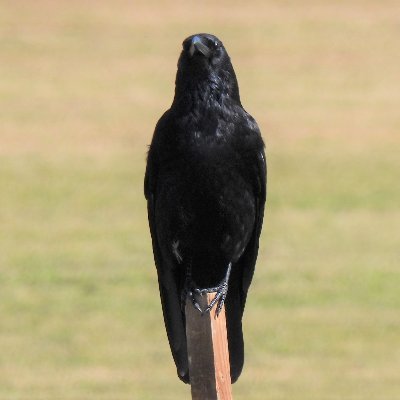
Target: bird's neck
(196, 94)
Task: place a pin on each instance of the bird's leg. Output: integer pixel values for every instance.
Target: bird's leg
(188, 290)
(221, 292)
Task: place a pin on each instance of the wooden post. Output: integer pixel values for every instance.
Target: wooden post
(208, 352)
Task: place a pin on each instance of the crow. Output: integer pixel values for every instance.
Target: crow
(205, 185)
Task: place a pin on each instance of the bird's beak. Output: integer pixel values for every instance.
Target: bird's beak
(198, 46)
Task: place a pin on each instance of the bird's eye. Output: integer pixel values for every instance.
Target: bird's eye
(216, 44)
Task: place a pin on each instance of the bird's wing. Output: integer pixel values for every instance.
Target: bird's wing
(254, 168)
(169, 282)
(256, 164)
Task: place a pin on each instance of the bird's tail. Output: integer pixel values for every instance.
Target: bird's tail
(174, 323)
(233, 310)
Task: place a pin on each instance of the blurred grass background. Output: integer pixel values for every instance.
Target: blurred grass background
(82, 84)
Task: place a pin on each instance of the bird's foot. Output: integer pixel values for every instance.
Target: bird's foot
(220, 291)
(190, 291)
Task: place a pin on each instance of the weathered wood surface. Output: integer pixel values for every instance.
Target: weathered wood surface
(208, 352)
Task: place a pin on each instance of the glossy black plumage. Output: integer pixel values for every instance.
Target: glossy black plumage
(205, 186)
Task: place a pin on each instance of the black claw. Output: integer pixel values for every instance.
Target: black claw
(214, 300)
(220, 294)
(196, 305)
(220, 305)
(191, 294)
(219, 298)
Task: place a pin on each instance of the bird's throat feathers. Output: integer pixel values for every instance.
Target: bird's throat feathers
(204, 91)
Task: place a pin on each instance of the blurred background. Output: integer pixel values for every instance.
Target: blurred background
(82, 85)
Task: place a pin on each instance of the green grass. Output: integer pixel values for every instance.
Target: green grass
(81, 88)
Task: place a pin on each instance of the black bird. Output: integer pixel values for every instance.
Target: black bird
(205, 186)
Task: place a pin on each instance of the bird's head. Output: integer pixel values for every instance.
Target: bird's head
(205, 64)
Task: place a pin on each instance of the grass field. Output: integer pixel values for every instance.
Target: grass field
(82, 85)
